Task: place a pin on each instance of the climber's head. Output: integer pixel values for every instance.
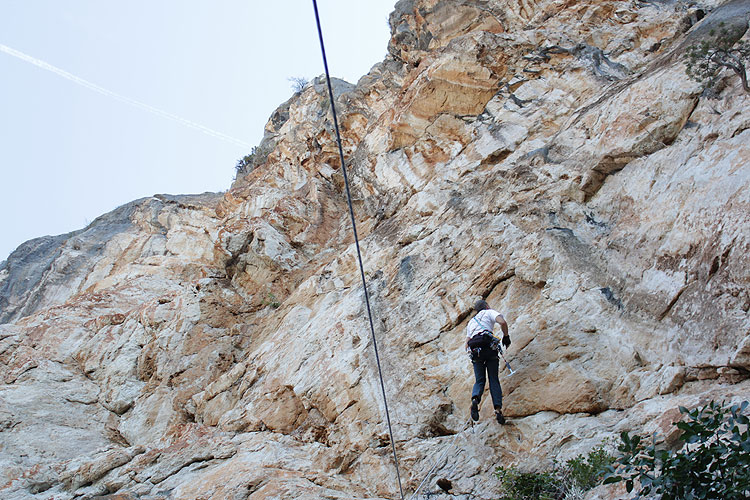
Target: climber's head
(481, 305)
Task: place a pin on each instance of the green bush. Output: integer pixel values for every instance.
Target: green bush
(272, 301)
(246, 163)
(561, 482)
(519, 485)
(713, 462)
(589, 471)
(258, 156)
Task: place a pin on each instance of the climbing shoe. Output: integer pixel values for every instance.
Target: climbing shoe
(474, 409)
(499, 417)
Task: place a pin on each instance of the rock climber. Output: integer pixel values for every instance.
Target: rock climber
(483, 348)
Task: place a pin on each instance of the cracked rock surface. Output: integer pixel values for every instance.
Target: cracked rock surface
(548, 156)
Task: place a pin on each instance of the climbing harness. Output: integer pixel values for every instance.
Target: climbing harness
(356, 241)
(484, 339)
(481, 340)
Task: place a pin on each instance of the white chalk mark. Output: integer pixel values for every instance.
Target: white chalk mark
(121, 98)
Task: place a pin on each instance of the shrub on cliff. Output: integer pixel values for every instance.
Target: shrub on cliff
(713, 462)
(720, 50)
(245, 164)
(298, 83)
(562, 482)
(258, 156)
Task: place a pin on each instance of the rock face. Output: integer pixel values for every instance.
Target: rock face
(548, 156)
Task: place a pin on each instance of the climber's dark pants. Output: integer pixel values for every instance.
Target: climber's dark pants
(484, 367)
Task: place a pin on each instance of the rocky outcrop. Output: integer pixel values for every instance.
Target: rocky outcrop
(551, 157)
(49, 271)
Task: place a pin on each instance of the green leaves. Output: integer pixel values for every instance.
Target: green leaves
(588, 471)
(580, 473)
(519, 485)
(258, 156)
(713, 463)
(271, 300)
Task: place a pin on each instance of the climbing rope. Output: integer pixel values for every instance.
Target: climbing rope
(356, 241)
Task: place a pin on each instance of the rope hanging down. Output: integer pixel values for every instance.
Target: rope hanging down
(356, 241)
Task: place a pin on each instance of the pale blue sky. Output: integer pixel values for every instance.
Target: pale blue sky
(69, 154)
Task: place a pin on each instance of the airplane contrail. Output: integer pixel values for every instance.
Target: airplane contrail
(121, 98)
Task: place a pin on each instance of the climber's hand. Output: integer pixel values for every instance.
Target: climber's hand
(506, 341)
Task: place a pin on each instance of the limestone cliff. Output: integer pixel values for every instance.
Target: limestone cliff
(550, 156)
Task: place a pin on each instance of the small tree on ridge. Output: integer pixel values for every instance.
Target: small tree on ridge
(720, 50)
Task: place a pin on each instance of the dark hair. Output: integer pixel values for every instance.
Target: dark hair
(481, 305)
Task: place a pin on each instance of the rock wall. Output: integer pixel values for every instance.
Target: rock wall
(548, 156)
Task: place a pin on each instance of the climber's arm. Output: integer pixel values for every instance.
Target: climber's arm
(503, 325)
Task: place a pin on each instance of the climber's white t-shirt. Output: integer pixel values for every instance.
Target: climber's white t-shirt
(484, 320)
